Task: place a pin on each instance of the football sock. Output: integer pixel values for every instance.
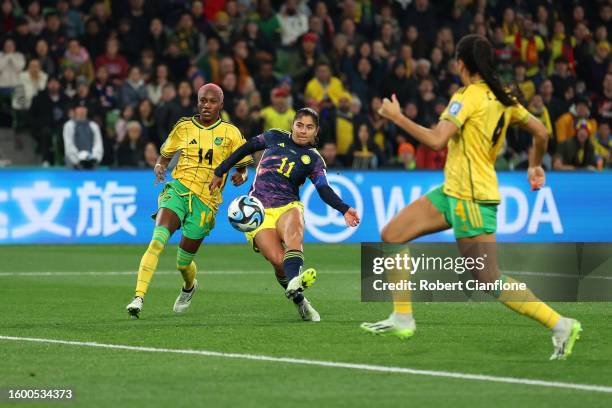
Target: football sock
(185, 264)
(149, 260)
(292, 263)
(526, 303)
(402, 299)
(284, 282)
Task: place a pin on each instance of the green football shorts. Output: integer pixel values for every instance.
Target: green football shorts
(197, 219)
(468, 218)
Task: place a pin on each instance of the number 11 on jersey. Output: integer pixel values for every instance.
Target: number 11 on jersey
(282, 166)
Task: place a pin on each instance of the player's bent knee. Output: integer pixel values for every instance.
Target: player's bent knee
(155, 247)
(390, 236)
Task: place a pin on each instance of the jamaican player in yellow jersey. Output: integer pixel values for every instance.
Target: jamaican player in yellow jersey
(474, 127)
(203, 142)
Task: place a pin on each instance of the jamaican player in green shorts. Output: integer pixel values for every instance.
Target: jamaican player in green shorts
(203, 142)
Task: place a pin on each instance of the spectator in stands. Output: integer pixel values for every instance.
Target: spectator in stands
(54, 33)
(133, 89)
(577, 152)
(187, 36)
(150, 155)
(146, 117)
(115, 63)
(324, 87)
(12, 63)
(50, 108)
(185, 101)
(130, 152)
(405, 156)
(530, 47)
(34, 17)
(428, 159)
(83, 148)
(127, 115)
(78, 58)
(166, 112)
(84, 97)
(157, 39)
(597, 66)
(156, 86)
(398, 82)
(31, 81)
(47, 64)
(562, 77)
(71, 19)
(526, 86)
(248, 124)
(364, 153)
(330, 154)
(560, 47)
(344, 128)
(177, 62)
(93, 40)
(539, 110)
(293, 22)
(302, 66)
(602, 142)
(556, 107)
(279, 114)
(603, 102)
(103, 90)
(567, 123)
(7, 17)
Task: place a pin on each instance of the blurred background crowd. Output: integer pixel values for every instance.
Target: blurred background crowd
(88, 83)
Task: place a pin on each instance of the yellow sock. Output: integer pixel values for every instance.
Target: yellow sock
(189, 273)
(148, 264)
(402, 299)
(526, 303)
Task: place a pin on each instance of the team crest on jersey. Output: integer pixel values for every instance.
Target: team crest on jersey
(218, 141)
(281, 144)
(305, 159)
(454, 108)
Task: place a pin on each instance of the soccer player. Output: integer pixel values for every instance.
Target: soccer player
(203, 141)
(288, 159)
(473, 125)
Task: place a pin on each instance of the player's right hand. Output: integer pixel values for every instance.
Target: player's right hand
(214, 183)
(536, 177)
(160, 173)
(390, 108)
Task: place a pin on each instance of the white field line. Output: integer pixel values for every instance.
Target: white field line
(130, 273)
(321, 363)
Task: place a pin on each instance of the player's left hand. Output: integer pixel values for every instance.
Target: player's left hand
(351, 217)
(536, 177)
(238, 178)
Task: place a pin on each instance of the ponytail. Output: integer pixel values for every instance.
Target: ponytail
(476, 53)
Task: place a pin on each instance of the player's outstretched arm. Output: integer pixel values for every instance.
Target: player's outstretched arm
(435, 138)
(329, 197)
(250, 147)
(535, 173)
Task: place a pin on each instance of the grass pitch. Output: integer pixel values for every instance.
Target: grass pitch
(241, 309)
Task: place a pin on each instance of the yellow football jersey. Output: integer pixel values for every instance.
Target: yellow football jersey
(202, 149)
(482, 120)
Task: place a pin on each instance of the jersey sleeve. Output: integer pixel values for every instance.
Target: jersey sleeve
(175, 140)
(518, 114)
(237, 142)
(461, 106)
(318, 175)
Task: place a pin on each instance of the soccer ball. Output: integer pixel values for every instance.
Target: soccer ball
(245, 213)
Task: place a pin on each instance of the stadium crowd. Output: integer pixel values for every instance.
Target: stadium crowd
(101, 82)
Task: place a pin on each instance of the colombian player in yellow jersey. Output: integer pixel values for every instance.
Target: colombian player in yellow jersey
(474, 127)
(203, 142)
